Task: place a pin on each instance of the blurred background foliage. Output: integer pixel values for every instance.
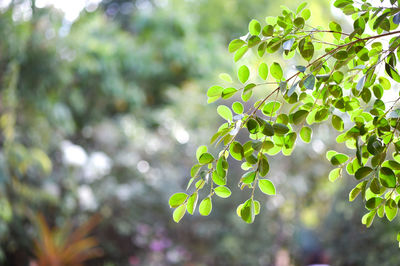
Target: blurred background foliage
(102, 113)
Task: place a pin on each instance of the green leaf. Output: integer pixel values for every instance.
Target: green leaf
(270, 108)
(222, 191)
(268, 30)
(390, 209)
(243, 73)
(263, 71)
(225, 112)
(179, 213)
(253, 41)
(337, 123)
(392, 72)
(276, 71)
(266, 186)
(335, 174)
(305, 134)
(256, 207)
(333, 26)
(280, 129)
(217, 179)
(254, 27)
(235, 45)
(267, 129)
(215, 91)
(205, 206)
(339, 158)
(206, 158)
(306, 14)
(200, 184)
(330, 154)
(247, 212)
(387, 177)
(236, 150)
(306, 48)
(354, 193)
(237, 107)
(228, 92)
(222, 164)
(299, 22)
(342, 3)
(195, 168)
(375, 186)
(299, 116)
(263, 166)
(177, 199)
(301, 7)
(368, 218)
(200, 150)
(192, 202)
(372, 203)
(240, 53)
(375, 145)
(226, 77)
(362, 172)
(252, 126)
(249, 177)
(340, 55)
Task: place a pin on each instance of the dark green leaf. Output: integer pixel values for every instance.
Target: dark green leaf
(280, 129)
(247, 211)
(362, 172)
(299, 116)
(264, 166)
(387, 177)
(236, 150)
(339, 158)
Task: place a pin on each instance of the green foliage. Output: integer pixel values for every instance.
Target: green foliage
(340, 81)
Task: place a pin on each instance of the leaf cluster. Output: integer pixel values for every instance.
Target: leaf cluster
(342, 82)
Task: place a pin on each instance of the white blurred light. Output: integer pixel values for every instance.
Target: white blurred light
(143, 166)
(73, 154)
(52, 189)
(4, 3)
(123, 192)
(98, 165)
(318, 146)
(181, 135)
(86, 198)
(22, 11)
(71, 8)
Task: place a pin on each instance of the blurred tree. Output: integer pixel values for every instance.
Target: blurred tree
(102, 114)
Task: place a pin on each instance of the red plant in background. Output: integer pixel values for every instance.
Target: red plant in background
(64, 247)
